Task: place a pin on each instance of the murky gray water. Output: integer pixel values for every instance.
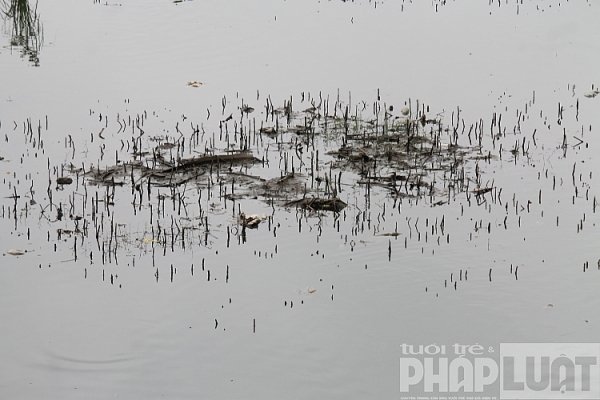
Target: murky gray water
(155, 292)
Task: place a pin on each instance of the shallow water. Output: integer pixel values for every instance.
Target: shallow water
(110, 314)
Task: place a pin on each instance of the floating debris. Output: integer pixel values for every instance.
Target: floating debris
(14, 252)
(402, 153)
(592, 94)
(64, 180)
(315, 203)
(307, 290)
(394, 234)
(268, 130)
(195, 83)
(212, 159)
(250, 221)
(482, 191)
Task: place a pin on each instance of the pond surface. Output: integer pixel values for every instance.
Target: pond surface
(470, 217)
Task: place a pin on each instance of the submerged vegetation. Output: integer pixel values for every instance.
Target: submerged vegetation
(136, 185)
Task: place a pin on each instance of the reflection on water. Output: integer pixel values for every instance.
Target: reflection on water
(26, 31)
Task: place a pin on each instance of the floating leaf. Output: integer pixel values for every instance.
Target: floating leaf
(307, 290)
